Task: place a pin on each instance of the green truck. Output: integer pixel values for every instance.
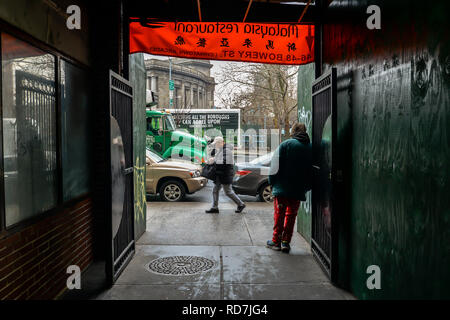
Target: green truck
(164, 138)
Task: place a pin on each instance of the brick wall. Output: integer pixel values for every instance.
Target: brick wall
(33, 261)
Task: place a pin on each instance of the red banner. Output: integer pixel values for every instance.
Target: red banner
(232, 41)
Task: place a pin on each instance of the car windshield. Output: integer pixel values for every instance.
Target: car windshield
(170, 123)
(263, 160)
(154, 156)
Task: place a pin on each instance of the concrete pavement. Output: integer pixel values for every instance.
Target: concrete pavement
(242, 268)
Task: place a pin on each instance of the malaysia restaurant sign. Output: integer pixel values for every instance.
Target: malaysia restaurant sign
(232, 41)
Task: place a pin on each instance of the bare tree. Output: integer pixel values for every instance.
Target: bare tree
(261, 90)
(182, 110)
(42, 65)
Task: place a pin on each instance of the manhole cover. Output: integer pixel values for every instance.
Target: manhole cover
(180, 265)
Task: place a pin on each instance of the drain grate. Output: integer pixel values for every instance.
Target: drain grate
(180, 265)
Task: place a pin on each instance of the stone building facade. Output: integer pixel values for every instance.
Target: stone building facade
(194, 86)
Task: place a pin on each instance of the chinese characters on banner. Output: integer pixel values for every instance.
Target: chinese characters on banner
(233, 41)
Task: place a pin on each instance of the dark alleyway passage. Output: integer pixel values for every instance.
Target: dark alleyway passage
(242, 267)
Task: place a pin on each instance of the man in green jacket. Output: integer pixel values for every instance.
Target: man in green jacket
(290, 177)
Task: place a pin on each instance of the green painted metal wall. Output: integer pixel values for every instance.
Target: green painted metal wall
(394, 149)
(137, 78)
(304, 82)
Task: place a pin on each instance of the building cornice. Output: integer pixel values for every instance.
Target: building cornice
(161, 65)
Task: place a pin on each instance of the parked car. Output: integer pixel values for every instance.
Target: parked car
(252, 178)
(172, 180)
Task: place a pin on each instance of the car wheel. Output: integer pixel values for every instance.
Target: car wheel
(265, 193)
(172, 191)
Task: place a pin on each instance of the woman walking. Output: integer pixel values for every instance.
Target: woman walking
(222, 156)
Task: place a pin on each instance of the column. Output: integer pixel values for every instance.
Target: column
(198, 97)
(183, 102)
(202, 100)
(153, 84)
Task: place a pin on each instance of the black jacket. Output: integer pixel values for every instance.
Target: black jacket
(291, 168)
(224, 169)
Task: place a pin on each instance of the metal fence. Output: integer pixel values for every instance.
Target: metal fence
(323, 126)
(121, 102)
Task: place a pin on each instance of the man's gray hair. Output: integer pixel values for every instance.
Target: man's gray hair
(218, 139)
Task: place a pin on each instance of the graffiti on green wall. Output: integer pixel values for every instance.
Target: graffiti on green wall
(400, 140)
(137, 78)
(140, 205)
(305, 116)
(398, 109)
(305, 79)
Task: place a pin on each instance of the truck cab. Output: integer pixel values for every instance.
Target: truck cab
(163, 138)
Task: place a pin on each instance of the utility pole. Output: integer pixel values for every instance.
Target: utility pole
(171, 84)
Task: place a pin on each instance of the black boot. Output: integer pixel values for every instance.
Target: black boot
(240, 208)
(212, 210)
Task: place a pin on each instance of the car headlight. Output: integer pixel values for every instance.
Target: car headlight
(194, 173)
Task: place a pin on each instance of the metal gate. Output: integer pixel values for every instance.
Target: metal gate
(122, 193)
(36, 122)
(323, 230)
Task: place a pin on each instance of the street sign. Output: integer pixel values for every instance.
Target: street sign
(171, 89)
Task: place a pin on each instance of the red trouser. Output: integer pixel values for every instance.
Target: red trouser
(285, 213)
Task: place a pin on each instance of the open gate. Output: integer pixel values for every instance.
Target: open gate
(122, 194)
(324, 227)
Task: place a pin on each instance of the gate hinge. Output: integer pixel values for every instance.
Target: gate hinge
(128, 170)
